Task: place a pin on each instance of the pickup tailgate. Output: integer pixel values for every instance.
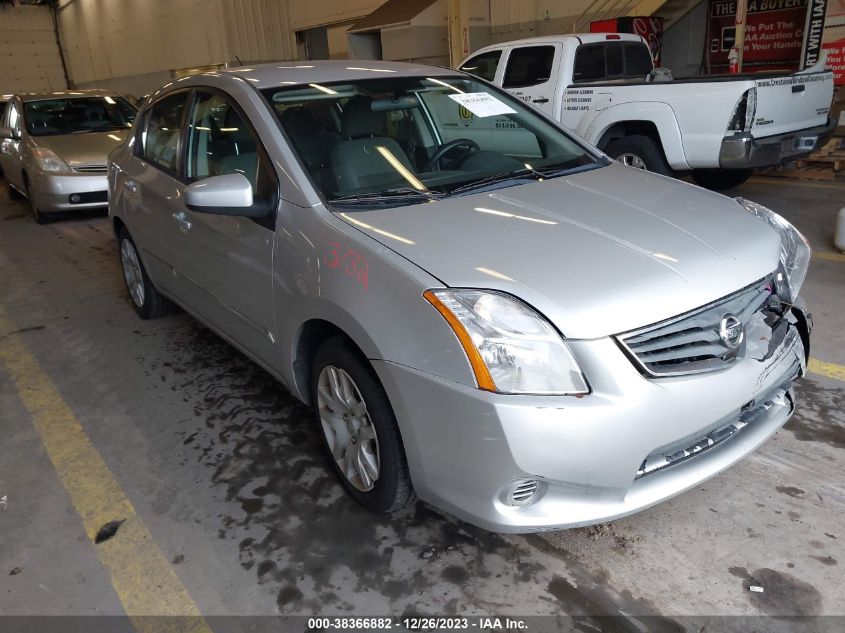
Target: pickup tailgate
(792, 103)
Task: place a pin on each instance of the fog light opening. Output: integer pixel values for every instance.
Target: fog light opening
(75, 198)
(523, 492)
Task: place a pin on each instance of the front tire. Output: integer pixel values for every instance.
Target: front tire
(641, 152)
(37, 215)
(720, 179)
(359, 428)
(146, 300)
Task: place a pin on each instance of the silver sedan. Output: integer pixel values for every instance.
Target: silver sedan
(54, 146)
(481, 310)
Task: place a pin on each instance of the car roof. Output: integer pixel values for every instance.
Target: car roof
(325, 71)
(66, 94)
(583, 38)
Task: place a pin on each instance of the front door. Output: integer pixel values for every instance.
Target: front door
(10, 148)
(531, 74)
(228, 260)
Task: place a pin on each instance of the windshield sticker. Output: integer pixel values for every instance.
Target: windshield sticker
(482, 104)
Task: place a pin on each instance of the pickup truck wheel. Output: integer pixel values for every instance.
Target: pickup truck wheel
(719, 179)
(641, 152)
(359, 428)
(146, 300)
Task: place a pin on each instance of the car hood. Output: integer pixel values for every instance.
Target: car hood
(91, 148)
(598, 253)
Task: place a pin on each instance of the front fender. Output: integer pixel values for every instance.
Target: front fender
(660, 114)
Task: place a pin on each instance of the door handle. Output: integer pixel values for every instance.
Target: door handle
(798, 88)
(131, 187)
(182, 220)
(540, 100)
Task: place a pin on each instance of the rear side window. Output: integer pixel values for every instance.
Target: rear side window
(162, 132)
(611, 60)
(638, 61)
(529, 66)
(483, 65)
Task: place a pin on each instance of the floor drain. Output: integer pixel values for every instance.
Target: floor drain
(107, 531)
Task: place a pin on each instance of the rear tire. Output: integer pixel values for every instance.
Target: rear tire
(354, 416)
(146, 300)
(719, 179)
(640, 152)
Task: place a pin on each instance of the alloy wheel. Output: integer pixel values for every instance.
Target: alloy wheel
(348, 428)
(132, 272)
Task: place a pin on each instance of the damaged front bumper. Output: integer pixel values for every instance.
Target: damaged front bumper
(633, 442)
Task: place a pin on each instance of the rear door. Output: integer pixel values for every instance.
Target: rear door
(795, 102)
(228, 260)
(532, 73)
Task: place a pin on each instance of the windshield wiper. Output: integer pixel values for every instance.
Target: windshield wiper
(532, 173)
(386, 195)
(520, 174)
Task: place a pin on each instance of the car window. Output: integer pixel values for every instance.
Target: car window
(14, 119)
(611, 60)
(162, 131)
(437, 135)
(529, 66)
(221, 142)
(483, 65)
(614, 61)
(77, 115)
(589, 63)
(638, 62)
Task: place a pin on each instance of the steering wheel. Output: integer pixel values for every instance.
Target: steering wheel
(444, 149)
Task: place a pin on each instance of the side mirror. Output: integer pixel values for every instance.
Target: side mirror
(7, 132)
(230, 194)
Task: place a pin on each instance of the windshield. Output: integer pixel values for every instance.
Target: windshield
(407, 140)
(77, 115)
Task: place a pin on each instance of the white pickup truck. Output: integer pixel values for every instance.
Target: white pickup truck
(604, 87)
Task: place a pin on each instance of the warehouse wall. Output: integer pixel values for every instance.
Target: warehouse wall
(136, 48)
(29, 54)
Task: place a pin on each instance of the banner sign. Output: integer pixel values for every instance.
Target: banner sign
(813, 32)
(833, 41)
(774, 34)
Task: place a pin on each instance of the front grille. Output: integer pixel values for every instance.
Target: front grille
(91, 169)
(89, 197)
(692, 343)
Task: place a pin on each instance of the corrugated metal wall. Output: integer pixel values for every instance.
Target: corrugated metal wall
(108, 40)
(29, 54)
(258, 30)
(135, 46)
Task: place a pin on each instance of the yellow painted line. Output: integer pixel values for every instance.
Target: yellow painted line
(830, 370)
(834, 257)
(140, 572)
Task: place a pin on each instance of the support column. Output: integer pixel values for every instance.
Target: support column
(459, 33)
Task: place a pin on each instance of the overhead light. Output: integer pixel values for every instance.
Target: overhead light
(372, 70)
(398, 166)
(109, 100)
(493, 273)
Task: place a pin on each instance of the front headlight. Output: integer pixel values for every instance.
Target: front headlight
(49, 160)
(511, 348)
(795, 250)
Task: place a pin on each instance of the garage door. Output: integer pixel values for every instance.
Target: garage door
(29, 54)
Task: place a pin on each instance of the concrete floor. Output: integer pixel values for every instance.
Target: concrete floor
(223, 467)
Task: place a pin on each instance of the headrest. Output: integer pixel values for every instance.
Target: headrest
(298, 119)
(360, 120)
